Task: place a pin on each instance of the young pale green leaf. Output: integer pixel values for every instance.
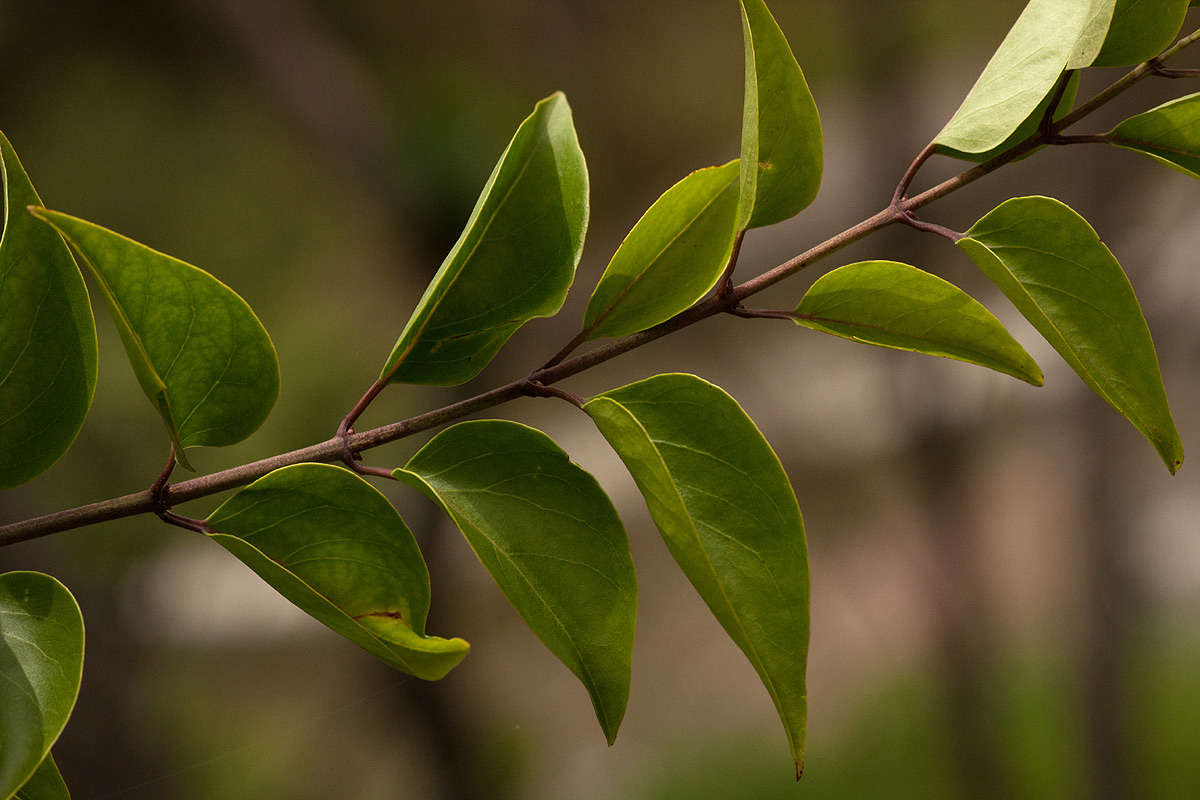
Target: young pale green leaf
(199, 352)
(675, 253)
(1053, 267)
(1169, 134)
(1026, 128)
(726, 510)
(46, 784)
(782, 150)
(332, 544)
(1140, 30)
(47, 335)
(41, 663)
(1049, 37)
(895, 305)
(550, 538)
(513, 262)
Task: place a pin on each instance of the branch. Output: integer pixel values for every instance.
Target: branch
(334, 449)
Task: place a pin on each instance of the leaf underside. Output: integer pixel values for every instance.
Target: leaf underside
(199, 352)
(727, 512)
(895, 305)
(514, 261)
(550, 538)
(1053, 267)
(41, 663)
(334, 546)
(1049, 37)
(47, 336)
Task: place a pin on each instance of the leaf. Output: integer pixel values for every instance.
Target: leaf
(894, 305)
(1028, 127)
(1169, 134)
(46, 784)
(726, 510)
(1056, 271)
(1140, 30)
(199, 352)
(549, 536)
(782, 151)
(514, 261)
(47, 336)
(41, 663)
(1049, 37)
(333, 545)
(675, 253)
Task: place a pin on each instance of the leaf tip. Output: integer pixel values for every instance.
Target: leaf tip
(799, 768)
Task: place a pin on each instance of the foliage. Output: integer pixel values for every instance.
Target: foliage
(544, 529)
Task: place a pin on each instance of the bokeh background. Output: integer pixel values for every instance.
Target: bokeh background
(1005, 579)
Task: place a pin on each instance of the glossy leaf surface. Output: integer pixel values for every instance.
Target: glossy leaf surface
(333, 545)
(1169, 134)
(47, 335)
(895, 305)
(41, 663)
(782, 149)
(46, 784)
(675, 253)
(726, 510)
(514, 261)
(549, 536)
(1045, 38)
(199, 352)
(1140, 30)
(1053, 267)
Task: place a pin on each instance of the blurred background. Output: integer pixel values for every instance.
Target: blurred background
(1005, 579)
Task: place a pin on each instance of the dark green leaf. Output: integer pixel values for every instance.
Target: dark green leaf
(46, 784)
(332, 544)
(41, 663)
(672, 257)
(782, 152)
(1057, 272)
(895, 305)
(47, 336)
(726, 510)
(1140, 30)
(1049, 37)
(1026, 128)
(550, 538)
(514, 261)
(199, 352)
(1169, 134)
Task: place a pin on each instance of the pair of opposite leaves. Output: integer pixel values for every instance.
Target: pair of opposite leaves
(550, 538)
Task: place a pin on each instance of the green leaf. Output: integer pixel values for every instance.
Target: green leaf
(199, 352)
(41, 663)
(1049, 37)
(895, 305)
(1169, 134)
(675, 253)
(514, 261)
(726, 510)
(1026, 128)
(1056, 271)
(782, 152)
(332, 544)
(1140, 30)
(46, 784)
(550, 538)
(47, 336)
